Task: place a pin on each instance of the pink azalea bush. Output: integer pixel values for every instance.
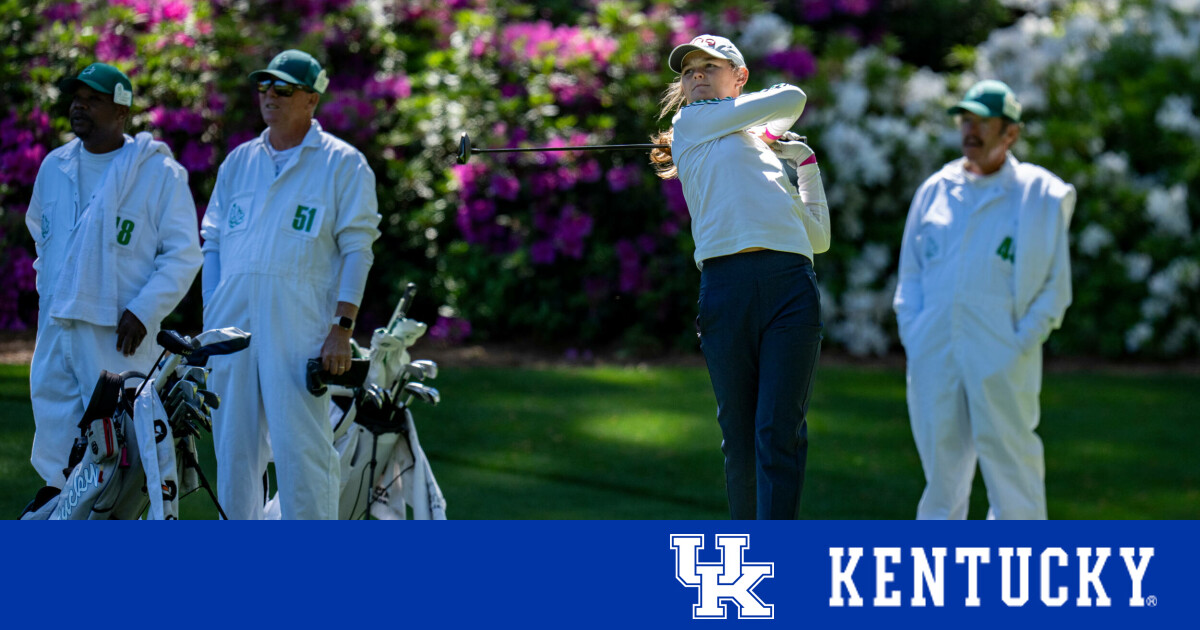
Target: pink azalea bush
(588, 249)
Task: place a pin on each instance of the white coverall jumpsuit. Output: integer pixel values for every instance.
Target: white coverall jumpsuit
(157, 255)
(281, 240)
(984, 277)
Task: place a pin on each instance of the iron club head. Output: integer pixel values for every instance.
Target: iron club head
(193, 373)
(183, 391)
(422, 391)
(464, 148)
(373, 396)
(428, 367)
(420, 370)
(210, 398)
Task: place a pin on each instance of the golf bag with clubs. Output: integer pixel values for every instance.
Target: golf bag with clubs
(132, 441)
(384, 473)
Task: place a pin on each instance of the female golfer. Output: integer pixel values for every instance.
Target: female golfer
(756, 233)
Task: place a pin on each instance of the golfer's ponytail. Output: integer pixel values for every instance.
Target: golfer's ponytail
(672, 101)
(661, 159)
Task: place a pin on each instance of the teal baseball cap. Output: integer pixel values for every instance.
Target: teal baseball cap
(105, 79)
(991, 99)
(295, 66)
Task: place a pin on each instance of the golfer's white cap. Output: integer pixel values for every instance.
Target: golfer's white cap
(712, 44)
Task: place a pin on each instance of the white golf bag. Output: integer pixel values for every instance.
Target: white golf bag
(383, 469)
(132, 440)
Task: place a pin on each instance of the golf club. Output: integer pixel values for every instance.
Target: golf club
(195, 374)
(465, 150)
(422, 391)
(421, 369)
(211, 399)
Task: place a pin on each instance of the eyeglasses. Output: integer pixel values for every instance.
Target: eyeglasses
(282, 88)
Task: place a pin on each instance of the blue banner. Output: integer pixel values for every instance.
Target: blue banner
(605, 574)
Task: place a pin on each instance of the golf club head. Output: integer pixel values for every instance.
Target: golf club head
(178, 397)
(211, 399)
(374, 397)
(413, 372)
(464, 148)
(427, 368)
(181, 386)
(179, 422)
(422, 391)
(193, 373)
(182, 392)
(202, 415)
(194, 416)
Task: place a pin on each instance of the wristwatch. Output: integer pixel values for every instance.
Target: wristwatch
(344, 322)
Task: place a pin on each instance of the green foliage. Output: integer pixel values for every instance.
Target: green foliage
(591, 249)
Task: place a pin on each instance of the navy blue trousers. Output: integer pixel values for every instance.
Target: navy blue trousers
(760, 330)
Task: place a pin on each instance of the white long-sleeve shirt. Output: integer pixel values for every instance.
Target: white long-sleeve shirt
(735, 186)
(158, 247)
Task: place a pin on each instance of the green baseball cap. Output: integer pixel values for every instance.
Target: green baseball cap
(103, 78)
(989, 98)
(298, 67)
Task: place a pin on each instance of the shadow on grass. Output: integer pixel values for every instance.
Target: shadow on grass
(623, 443)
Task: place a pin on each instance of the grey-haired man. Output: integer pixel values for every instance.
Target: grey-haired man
(288, 235)
(985, 276)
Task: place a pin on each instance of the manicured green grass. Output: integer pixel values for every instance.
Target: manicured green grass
(642, 443)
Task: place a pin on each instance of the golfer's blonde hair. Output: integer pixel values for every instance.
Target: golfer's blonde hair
(671, 102)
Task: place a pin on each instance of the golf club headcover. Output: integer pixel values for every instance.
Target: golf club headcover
(105, 397)
(312, 378)
(174, 342)
(317, 378)
(217, 342)
(42, 497)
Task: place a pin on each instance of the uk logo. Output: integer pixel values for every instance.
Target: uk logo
(730, 581)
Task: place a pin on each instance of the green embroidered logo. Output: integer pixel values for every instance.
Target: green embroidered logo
(1007, 250)
(931, 249)
(236, 215)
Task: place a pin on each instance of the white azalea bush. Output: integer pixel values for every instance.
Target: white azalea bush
(1108, 89)
(879, 128)
(1108, 94)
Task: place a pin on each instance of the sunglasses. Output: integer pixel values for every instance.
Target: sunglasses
(282, 88)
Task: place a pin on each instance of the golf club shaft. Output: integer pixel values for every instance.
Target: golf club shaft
(597, 147)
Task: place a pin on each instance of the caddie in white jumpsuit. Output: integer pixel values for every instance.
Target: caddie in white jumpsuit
(288, 234)
(115, 229)
(985, 276)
